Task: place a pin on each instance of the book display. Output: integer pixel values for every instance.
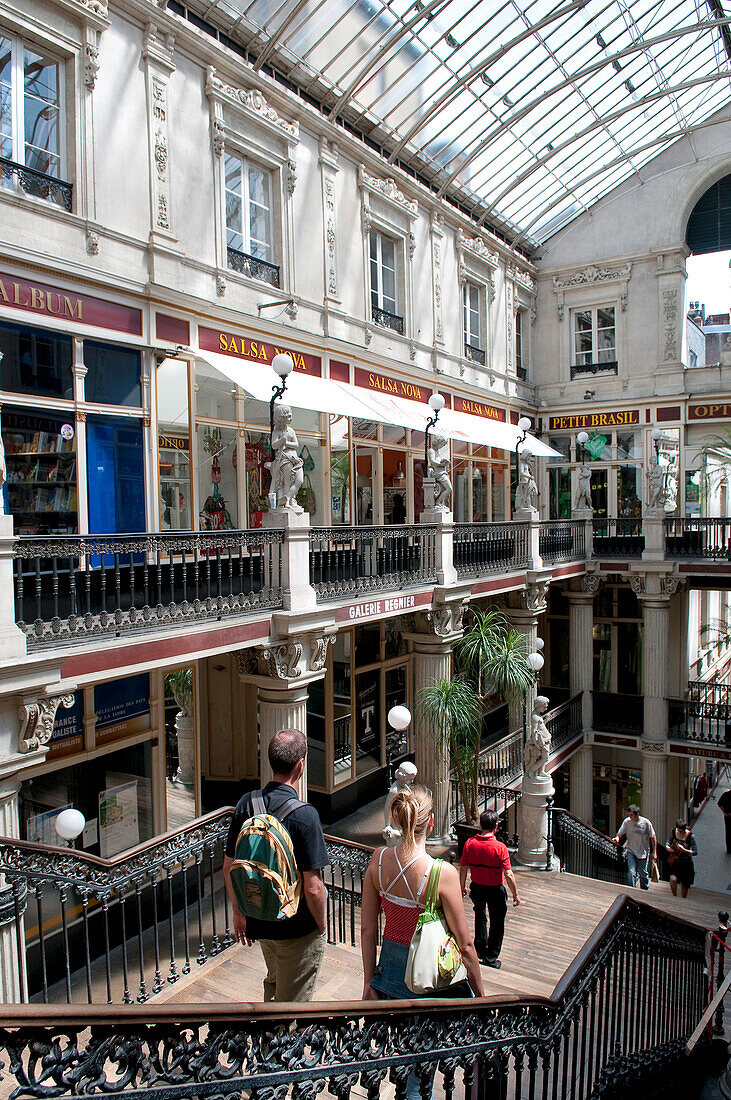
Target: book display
(40, 454)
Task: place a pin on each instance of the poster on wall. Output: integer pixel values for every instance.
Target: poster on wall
(119, 826)
(122, 708)
(41, 828)
(68, 729)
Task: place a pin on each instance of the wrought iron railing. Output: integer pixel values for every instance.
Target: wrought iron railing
(698, 537)
(564, 722)
(477, 355)
(616, 713)
(502, 762)
(522, 373)
(618, 538)
(501, 800)
(703, 717)
(252, 266)
(388, 320)
(577, 369)
(561, 540)
(481, 548)
(76, 586)
(134, 924)
(618, 1020)
(583, 850)
(38, 184)
(353, 560)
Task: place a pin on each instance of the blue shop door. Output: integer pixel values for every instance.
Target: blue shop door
(116, 480)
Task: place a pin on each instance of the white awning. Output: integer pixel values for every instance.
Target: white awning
(343, 399)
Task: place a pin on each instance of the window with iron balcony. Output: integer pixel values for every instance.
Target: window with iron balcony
(32, 123)
(385, 282)
(249, 220)
(520, 357)
(473, 297)
(594, 341)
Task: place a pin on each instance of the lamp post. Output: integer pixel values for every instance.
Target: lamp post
(582, 439)
(282, 365)
(523, 425)
(656, 437)
(436, 404)
(399, 719)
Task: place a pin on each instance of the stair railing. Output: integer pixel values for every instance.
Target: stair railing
(583, 850)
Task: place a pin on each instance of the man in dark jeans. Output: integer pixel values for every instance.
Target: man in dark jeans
(488, 862)
(293, 948)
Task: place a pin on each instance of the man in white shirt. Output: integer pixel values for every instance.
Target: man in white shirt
(641, 840)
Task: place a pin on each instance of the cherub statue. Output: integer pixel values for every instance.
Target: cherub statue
(538, 745)
(656, 487)
(582, 501)
(439, 470)
(671, 490)
(526, 493)
(405, 776)
(287, 467)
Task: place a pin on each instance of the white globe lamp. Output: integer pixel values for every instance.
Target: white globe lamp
(70, 824)
(282, 364)
(399, 717)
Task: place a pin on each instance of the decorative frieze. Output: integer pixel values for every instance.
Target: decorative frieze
(387, 189)
(521, 277)
(509, 325)
(329, 169)
(477, 247)
(590, 275)
(252, 102)
(158, 54)
(670, 300)
(37, 716)
(437, 234)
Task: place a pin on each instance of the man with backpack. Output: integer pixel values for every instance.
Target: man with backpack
(275, 853)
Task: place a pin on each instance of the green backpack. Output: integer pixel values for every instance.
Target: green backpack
(264, 873)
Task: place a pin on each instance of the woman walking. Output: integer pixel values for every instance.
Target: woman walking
(680, 849)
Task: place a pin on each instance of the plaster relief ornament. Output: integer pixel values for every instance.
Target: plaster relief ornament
(582, 501)
(287, 467)
(439, 471)
(526, 493)
(538, 745)
(403, 780)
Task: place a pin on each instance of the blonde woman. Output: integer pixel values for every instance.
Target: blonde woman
(396, 881)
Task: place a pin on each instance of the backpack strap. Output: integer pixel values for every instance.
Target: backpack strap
(257, 803)
(288, 808)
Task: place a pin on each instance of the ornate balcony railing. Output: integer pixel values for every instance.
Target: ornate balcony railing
(617, 1022)
(502, 762)
(703, 717)
(583, 850)
(501, 800)
(562, 540)
(577, 369)
(253, 267)
(135, 923)
(38, 184)
(353, 560)
(78, 586)
(477, 355)
(615, 713)
(522, 373)
(564, 722)
(698, 537)
(618, 538)
(388, 320)
(481, 548)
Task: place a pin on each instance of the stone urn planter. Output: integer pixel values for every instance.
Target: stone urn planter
(180, 686)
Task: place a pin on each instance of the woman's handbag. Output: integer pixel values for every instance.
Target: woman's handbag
(434, 961)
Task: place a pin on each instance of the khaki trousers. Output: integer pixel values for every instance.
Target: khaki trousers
(292, 967)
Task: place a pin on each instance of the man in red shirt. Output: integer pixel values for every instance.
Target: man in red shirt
(488, 862)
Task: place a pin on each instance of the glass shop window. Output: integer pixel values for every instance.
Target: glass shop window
(342, 709)
(40, 458)
(112, 375)
(217, 459)
(258, 476)
(35, 361)
(340, 470)
(367, 721)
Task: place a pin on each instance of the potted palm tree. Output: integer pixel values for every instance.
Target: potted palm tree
(179, 684)
(491, 660)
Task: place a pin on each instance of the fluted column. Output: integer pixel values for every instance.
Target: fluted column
(281, 708)
(655, 644)
(581, 779)
(12, 966)
(581, 650)
(655, 790)
(432, 660)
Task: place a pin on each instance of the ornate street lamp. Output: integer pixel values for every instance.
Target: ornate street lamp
(436, 404)
(282, 365)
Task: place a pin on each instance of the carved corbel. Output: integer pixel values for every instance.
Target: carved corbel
(291, 175)
(591, 583)
(669, 584)
(637, 584)
(36, 720)
(283, 660)
(91, 64)
(441, 621)
(536, 596)
(318, 651)
(218, 136)
(247, 662)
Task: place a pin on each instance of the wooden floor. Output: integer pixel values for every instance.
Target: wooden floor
(543, 935)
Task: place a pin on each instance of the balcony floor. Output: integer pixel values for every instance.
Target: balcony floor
(557, 915)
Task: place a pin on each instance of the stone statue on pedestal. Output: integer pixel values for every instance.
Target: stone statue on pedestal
(405, 776)
(286, 467)
(538, 744)
(582, 501)
(526, 493)
(439, 471)
(655, 489)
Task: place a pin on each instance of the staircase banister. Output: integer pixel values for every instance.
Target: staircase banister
(585, 825)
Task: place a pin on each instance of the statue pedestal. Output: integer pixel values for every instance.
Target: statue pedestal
(533, 822)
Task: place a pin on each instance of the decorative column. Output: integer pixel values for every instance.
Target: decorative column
(282, 672)
(329, 166)
(581, 642)
(12, 961)
(433, 638)
(581, 778)
(294, 578)
(157, 53)
(523, 610)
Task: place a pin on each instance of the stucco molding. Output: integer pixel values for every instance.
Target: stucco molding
(252, 103)
(387, 189)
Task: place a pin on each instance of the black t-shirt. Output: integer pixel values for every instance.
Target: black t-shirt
(724, 802)
(310, 853)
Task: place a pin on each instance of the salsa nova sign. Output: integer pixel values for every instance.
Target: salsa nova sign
(594, 420)
(477, 408)
(396, 387)
(244, 347)
(386, 605)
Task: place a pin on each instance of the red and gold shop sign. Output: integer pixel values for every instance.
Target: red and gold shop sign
(244, 347)
(478, 408)
(50, 301)
(710, 411)
(395, 387)
(618, 419)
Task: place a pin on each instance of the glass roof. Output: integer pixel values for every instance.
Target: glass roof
(524, 112)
